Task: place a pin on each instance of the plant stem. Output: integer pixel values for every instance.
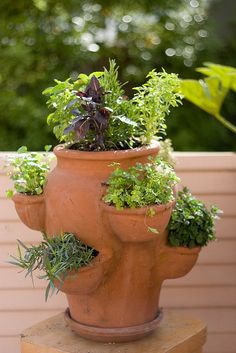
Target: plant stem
(225, 122)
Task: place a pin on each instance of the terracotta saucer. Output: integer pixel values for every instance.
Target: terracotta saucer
(115, 334)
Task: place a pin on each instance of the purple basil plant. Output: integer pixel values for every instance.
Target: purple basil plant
(92, 116)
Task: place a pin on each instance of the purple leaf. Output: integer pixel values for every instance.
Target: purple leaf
(81, 94)
(71, 103)
(68, 129)
(75, 112)
(87, 99)
(78, 118)
(100, 118)
(72, 125)
(94, 90)
(81, 128)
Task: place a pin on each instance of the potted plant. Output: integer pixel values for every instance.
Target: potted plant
(191, 227)
(145, 195)
(28, 171)
(101, 126)
(59, 258)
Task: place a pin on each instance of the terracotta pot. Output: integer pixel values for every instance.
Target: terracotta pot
(177, 261)
(31, 210)
(116, 299)
(75, 185)
(87, 278)
(131, 225)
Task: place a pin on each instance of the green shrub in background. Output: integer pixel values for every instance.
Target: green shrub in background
(44, 39)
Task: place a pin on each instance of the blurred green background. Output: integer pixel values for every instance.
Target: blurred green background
(46, 39)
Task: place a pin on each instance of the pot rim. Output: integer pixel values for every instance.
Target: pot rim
(139, 210)
(27, 199)
(62, 151)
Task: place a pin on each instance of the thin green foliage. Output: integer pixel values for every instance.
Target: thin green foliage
(121, 128)
(55, 256)
(28, 170)
(191, 223)
(141, 185)
(152, 102)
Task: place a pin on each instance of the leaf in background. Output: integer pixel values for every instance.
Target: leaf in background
(207, 95)
(226, 74)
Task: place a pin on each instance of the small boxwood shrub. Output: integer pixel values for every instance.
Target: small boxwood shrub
(191, 223)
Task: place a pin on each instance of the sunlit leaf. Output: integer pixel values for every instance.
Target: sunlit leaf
(226, 74)
(206, 94)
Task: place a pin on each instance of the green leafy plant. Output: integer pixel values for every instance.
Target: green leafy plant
(209, 93)
(141, 185)
(120, 133)
(152, 102)
(28, 170)
(56, 256)
(191, 223)
(94, 111)
(86, 110)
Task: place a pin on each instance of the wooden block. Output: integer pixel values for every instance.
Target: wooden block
(176, 334)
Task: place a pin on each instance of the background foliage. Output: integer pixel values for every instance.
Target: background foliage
(46, 39)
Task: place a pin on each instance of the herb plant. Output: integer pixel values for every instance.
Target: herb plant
(55, 256)
(28, 170)
(121, 129)
(94, 113)
(92, 116)
(141, 185)
(88, 113)
(152, 101)
(191, 223)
